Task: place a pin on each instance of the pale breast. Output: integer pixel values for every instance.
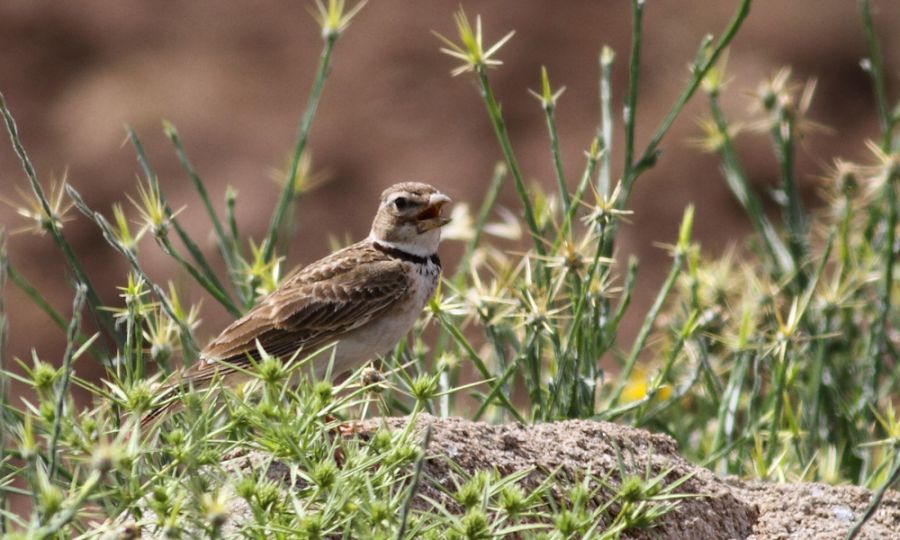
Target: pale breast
(381, 335)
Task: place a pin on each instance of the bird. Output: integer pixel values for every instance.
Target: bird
(361, 299)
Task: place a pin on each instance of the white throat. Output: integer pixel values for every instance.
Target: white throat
(424, 245)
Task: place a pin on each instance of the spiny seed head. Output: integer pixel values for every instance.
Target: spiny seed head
(639, 520)
(845, 176)
(512, 500)
(382, 440)
(43, 376)
(471, 48)
(325, 474)
(245, 488)
(268, 410)
(271, 370)
(27, 445)
(50, 499)
(32, 208)
(47, 411)
(333, 19)
(208, 457)
(122, 230)
(566, 523)
(175, 437)
(424, 388)
(267, 494)
(402, 454)
(152, 207)
(446, 362)
(311, 526)
(161, 352)
(140, 397)
(89, 426)
(160, 495)
(379, 512)
(324, 392)
(475, 525)
(632, 489)
(469, 494)
(578, 496)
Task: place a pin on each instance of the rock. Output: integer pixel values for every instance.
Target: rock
(720, 508)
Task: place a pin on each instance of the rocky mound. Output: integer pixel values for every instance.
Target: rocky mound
(725, 508)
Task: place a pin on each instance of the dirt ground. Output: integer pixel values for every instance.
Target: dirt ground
(723, 508)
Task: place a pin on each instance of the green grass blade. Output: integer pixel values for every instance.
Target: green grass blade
(289, 190)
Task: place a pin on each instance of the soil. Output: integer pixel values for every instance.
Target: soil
(721, 508)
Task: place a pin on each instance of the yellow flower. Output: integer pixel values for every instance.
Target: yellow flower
(640, 385)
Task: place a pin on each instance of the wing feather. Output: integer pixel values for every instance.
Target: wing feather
(312, 308)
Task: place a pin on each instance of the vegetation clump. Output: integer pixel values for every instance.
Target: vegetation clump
(776, 361)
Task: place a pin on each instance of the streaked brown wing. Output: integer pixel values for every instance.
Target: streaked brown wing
(311, 309)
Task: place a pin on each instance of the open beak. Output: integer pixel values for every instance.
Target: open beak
(431, 217)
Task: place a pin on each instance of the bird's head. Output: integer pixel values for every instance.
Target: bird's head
(409, 218)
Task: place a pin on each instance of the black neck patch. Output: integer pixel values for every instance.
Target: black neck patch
(407, 256)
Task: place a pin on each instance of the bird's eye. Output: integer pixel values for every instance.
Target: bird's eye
(401, 203)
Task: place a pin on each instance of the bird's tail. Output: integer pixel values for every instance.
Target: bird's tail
(171, 394)
(156, 414)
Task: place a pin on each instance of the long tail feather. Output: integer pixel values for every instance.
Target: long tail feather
(155, 415)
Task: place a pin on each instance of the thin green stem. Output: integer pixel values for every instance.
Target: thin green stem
(567, 370)
(32, 293)
(414, 484)
(686, 332)
(479, 364)
(63, 390)
(699, 71)
(189, 346)
(681, 251)
(288, 193)
(792, 206)
(52, 225)
(733, 171)
(38, 299)
(499, 386)
(892, 479)
(62, 518)
(193, 249)
(223, 240)
(612, 328)
(592, 158)
(728, 406)
(215, 290)
(875, 69)
(778, 395)
(814, 399)
(487, 206)
(632, 169)
(500, 130)
(606, 122)
(631, 95)
(230, 200)
(564, 196)
(641, 340)
(879, 335)
(4, 382)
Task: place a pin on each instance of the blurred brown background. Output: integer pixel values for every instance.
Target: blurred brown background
(234, 78)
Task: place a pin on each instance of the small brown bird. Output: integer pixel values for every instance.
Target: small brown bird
(363, 298)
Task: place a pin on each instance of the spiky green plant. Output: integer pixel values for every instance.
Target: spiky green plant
(781, 363)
